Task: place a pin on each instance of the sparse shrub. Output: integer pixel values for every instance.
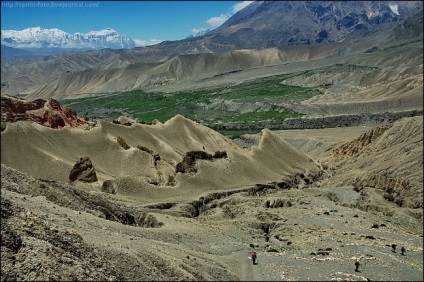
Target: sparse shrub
(252, 245)
(122, 143)
(375, 225)
(272, 250)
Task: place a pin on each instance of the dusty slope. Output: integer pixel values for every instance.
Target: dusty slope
(315, 231)
(388, 157)
(22, 76)
(50, 154)
(388, 79)
(177, 69)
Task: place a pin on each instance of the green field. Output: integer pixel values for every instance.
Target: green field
(206, 105)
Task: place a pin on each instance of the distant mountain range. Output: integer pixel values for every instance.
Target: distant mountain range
(265, 24)
(37, 37)
(276, 25)
(262, 24)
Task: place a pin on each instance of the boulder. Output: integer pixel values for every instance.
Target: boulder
(83, 171)
(109, 186)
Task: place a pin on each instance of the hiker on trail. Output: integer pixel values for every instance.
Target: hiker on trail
(394, 248)
(254, 257)
(402, 251)
(357, 264)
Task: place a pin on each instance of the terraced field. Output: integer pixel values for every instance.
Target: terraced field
(258, 99)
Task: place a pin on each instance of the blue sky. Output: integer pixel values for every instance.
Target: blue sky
(146, 22)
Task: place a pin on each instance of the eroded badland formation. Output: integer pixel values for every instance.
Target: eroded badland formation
(177, 200)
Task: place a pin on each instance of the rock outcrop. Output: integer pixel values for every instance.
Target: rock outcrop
(109, 186)
(83, 170)
(188, 164)
(354, 147)
(48, 113)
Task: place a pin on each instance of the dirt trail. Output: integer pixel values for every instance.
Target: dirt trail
(248, 271)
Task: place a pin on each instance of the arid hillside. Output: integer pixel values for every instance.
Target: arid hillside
(178, 69)
(154, 193)
(179, 201)
(143, 159)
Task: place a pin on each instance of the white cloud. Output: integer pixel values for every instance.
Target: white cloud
(241, 5)
(142, 43)
(217, 21)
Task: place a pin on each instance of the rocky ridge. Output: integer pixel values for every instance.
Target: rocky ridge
(48, 113)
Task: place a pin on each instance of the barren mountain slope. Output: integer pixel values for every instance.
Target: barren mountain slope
(304, 228)
(178, 69)
(387, 158)
(388, 78)
(268, 23)
(50, 154)
(20, 76)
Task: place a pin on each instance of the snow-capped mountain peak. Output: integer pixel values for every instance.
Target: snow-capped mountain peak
(37, 37)
(105, 32)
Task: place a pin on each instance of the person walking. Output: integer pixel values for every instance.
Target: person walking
(394, 248)
(402, 251)
(254, 256)
(357, 264)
